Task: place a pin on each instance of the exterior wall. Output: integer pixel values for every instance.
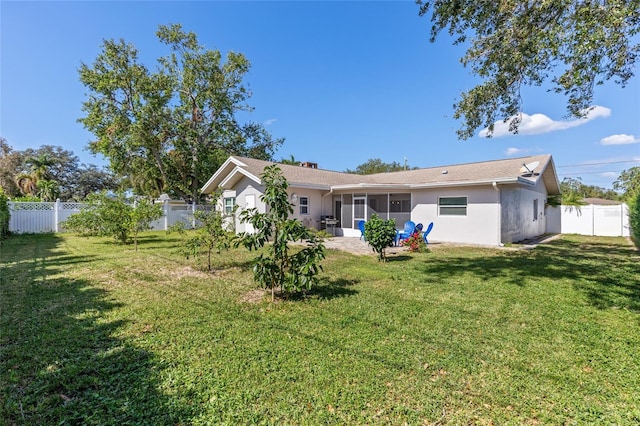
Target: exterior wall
(480, 225)
(247, 186)
(316, 208)
(517, 215)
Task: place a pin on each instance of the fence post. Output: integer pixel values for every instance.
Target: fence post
(165, 208)
(193, 214)
(56, 215)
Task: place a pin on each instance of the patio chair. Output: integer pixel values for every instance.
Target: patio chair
(426, 232)
(361, 227)
(409, 227)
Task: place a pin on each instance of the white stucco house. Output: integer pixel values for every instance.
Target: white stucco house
(488, 203)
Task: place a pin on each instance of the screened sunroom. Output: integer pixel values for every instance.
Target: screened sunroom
(351, 208)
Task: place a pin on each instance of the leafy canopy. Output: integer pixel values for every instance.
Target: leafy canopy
(380, 234)
(574, 44)
(281, 265)
(169, 130)
(629, 183)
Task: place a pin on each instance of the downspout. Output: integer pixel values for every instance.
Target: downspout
(326, 195)
(499, 215)
(330, 205)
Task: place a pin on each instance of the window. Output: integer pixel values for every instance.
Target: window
(229, 204)
(400, 203)
(304, 205)
(452, 206)
(535, 209)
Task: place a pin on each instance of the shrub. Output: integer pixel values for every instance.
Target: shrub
(380, 234)
(416, 243)
(4, 215)
(117, 216)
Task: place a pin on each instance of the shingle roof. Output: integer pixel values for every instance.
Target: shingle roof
(501, 171)
(601, 202)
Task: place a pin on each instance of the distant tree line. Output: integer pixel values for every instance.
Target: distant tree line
(574, 191)
(48, 173)
(376, 165)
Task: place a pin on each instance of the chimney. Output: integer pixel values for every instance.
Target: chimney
(309, 165)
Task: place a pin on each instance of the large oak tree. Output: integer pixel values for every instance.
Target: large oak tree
(575, 45)
(168, 130)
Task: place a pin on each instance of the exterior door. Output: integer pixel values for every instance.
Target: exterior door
(359, 210)
(249, 203)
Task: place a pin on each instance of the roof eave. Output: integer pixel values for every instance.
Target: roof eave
(218, 176)
(466, 183)
(231, 177)
(370, 186)
(303, 185)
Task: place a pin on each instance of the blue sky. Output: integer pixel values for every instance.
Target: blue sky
(342, 82)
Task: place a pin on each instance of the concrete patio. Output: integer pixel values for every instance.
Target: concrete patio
(356, 246)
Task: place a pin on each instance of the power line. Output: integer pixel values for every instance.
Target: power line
(600, 164)
(589, 173)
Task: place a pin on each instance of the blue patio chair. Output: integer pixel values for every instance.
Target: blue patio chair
(409, 227)
(361, 227)
(429, 228)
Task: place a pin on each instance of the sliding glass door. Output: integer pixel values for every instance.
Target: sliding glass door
(359, 210)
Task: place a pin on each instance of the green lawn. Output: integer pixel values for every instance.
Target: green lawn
(95, 333)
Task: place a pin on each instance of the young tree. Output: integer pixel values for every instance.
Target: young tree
(281, 266)
(577, 44)
(210, 235)
(169, 130)
(116, 215)
(380, 234)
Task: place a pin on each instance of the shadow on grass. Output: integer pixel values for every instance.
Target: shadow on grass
(332, 289)
(399, 258)
(60, 360)
(606, 273)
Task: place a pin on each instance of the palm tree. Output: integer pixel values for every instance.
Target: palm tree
(291, 161)
(48, 190)
(30, 183)
(40, 166)
(27, 183)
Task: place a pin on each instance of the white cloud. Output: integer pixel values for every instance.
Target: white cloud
(619, 140)
(539, 123)
(270, 121)
(609, 175)
(512, 152)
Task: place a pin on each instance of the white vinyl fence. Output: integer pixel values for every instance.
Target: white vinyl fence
(604, 221)
(38, 218)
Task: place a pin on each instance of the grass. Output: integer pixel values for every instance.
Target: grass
(95, 333)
